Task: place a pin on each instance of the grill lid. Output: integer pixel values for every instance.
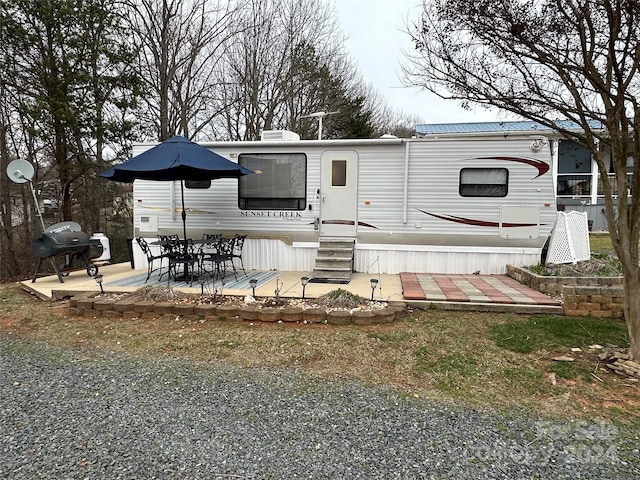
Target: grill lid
(63, 227)
(62, 239)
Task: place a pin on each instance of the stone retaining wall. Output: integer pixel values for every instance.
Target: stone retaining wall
(581, 296)
(553, 285)
(593, 301)
(85, 305)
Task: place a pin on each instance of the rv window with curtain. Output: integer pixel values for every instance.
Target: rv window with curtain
(484, 182)
(279, 181)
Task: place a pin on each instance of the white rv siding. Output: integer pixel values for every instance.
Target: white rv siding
(398, 181)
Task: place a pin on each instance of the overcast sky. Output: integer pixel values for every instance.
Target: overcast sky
(376, 40)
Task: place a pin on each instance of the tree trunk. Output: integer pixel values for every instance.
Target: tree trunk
(631, 308)
(7, 266)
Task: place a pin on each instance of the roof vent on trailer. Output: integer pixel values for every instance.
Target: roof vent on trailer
(279, 135)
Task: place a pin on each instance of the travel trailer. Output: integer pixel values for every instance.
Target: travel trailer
(443, 204)
(576, 176)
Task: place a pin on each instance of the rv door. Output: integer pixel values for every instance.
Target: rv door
(339, 193)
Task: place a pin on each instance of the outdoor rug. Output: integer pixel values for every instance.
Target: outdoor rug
(229, 280)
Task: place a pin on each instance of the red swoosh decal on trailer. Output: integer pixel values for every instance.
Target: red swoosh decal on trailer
(476, 223)
(541, 166)
(347, 222)
(338, 222)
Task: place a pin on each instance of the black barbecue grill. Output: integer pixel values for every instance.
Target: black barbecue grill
(66, 240)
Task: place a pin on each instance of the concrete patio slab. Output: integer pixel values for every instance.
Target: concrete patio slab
(444, 291)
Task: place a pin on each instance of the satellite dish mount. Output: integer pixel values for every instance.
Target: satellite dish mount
(21, 171)
(319, 116)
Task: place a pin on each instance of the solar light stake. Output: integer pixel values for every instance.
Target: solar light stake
(304, 281)
(374, 284)
(202, 280)
(98, 279)
(253, 282)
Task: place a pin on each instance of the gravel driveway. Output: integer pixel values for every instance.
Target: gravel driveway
(75, 415)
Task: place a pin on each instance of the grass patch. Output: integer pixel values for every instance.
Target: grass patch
(570, 371)
(452, 364)
(452, 370)
(449, 372)
(527, 378)
(422, 362)
(393, 337)
(600, 243)
(489, 360)
(543, 332)
(12, 301)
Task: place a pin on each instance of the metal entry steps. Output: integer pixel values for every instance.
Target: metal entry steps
(496, 289)
(334, 261)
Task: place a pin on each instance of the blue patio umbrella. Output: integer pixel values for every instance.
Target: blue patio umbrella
(176, 159)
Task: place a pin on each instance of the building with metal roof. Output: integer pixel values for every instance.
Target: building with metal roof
(486, 127)
(478, 127)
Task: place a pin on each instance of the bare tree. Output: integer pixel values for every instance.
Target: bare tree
(387, 120)
(181, 44)
(551, 60)
(287, 61)
(231, 69)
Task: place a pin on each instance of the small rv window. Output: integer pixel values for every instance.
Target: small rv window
(338, 173)
(279, 181)
(484, 182)
(197, 184)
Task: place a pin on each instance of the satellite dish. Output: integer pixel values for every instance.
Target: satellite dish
(20, 171)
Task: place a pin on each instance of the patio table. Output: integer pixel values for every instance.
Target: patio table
(187, 260)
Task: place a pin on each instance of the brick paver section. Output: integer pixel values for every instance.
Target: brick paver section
(470, 288)
(516, 295)
(494, 294)
(472, 291)
(411, 289)
(450, 289)
(430, 288)
(539, 297)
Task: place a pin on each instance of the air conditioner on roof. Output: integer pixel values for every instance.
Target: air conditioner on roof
(279, 135)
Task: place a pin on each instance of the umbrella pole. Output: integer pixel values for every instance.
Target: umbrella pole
(184, 217)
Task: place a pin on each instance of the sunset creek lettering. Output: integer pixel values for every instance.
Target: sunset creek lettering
(272, 214)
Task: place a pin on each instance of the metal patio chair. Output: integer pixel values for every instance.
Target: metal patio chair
(208, 253)
(238, 245)
(165, 242)
(182, 252)
(151, 258)
(224, 257)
